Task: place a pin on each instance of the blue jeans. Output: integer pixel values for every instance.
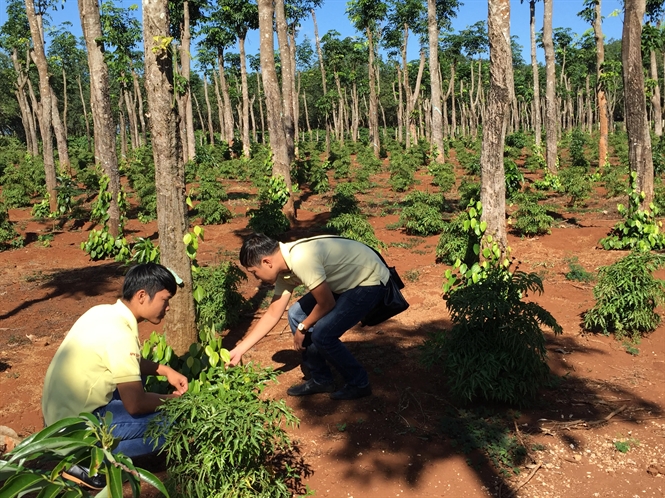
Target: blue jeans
(322, 344)
(130, 430)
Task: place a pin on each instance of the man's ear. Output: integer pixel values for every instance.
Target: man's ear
(140, 296)
(268, 261)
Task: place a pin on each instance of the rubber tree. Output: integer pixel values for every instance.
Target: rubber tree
(551, 114)
(100, 105)
(501, 92)
(274, 104)
(639, 141)
(180, 322)
(367, 16)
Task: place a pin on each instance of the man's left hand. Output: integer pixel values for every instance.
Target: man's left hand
(298, 339)
(178, 381)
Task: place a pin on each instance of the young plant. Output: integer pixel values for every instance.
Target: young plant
(36, 464)
(461, 237)
(227, 439)
(144, 251)
(422, 213)
(9, 237)
(640, 229)
(219, 302)
(355, 226)
(531, 218)
(269, 218)
(576, 184)
(627, 295)
(577, 272)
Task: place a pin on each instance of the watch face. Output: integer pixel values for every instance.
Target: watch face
(301, 327)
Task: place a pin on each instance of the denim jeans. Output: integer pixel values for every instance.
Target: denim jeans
(322, 344)
(129, 429)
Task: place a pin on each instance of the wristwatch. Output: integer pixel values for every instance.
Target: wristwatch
(301, 327)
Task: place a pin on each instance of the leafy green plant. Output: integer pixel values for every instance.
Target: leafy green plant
(625, 445)
(513, 177)
(495, 350)
(640, 229)
(42, 209)
(549, 182)
(357, 227)
(101, 245)
(227, 439)
(344, 200)
(530, 218)
(461, 236)
(575, 183)
(268, 218)
(443, 175)
(576, 271)
(67, 192)
(140, 169)
(37, 463)
(9, 237)
(627, 295)
(220, 303)
(402, 169)
(422, 213)
(22, 179)
(578, 140)
(613, 180)
(468, 191)
(518, 140)
(144, 251)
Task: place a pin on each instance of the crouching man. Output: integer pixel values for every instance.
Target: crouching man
(345, 280)
(98, 367)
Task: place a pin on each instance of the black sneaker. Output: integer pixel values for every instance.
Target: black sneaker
(81, 476)
(310, 387)
(351, 392)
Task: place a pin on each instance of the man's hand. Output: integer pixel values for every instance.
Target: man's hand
(176, 379)
(236, 356)
(298, 339)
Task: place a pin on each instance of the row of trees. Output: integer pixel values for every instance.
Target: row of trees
(340, 86)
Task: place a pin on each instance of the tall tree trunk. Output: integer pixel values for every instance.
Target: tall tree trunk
(655, 97)
(493, 187)
(260, 102)
(323, 77)
(179, 324)
(44, 109)
(274, 106)
(185, 57)
(100, 105)
(537, 120)
(245, 97)
(211, 130)
(27, 118)
(138, 97)
(220, 107)
(64, 103)
(637, 126)
(228, 112)
(123, 131)
(287, 77)
(126, 97)
(85, 111)
(550, 90)
(374, 139)
(60, 136)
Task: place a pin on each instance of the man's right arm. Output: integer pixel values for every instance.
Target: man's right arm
(139, 402)
(264, 325)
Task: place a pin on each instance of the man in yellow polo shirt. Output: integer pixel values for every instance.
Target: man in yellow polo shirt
(98, 367)
(345, 280)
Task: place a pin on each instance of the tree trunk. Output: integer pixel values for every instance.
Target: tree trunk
(228, 114)
(179, 324)
(550, 91)
(60, 136)
(85, 111)
(245, 97)
(100, 105)
(138, 97)
(323, 77)
(185, 57)
(260, 102)
(373, 118)
(537, 120)
(211, 130)
(274, 107)
(64, 103)
(287, 78)
(45, 107)
(655, 97)
(493, 187)
(637, 126)
(27, 118)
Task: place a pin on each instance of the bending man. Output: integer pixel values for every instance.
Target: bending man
(345, 280)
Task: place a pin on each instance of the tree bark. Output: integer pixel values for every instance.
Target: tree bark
(537, 120)
(655, 97)
(27, 118)
(323, 76)
(60, 136)
(179, 324)
(287, 77)
(100, 105)
(493, 187)
(85, 111)
(601, 98)
(637, 125)
(185, 70)
(211, 130)
(245, 97)
(228, 113)
(44, 109)
(274, 107)
(550, 91)
(373, 118)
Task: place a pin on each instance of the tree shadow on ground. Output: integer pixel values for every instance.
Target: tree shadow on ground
(89, 281)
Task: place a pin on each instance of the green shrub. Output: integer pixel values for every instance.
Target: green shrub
(22, 181)
(402, 169)
(639, 229)
(530, 218)
(102, 245)
(444, 176)
(9, 237)
(227, 440)
(577, 272)
(518, 140)
(458, 239)
(575, 183)
(213, 212)
(534, 161)
(355, 226)
(268, 218)
(35, 466)
(344, 200)
(144, 251)
(495, 350)
(513, 177)
(658, 153)
(141, 175)
(222, 304)
(578, 139)
(468, 190)
(613, 178)
(318, 176)
(421, 214)
(626, 296)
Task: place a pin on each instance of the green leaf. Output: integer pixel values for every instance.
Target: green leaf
(151, 479)
(114, 480)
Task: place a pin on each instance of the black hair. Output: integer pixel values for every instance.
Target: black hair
(149, 277)
(255, 248)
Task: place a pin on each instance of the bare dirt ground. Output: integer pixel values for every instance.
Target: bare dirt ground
(390, 444)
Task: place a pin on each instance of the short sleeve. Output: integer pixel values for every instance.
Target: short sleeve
(124, 357)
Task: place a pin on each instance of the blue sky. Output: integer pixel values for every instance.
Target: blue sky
(332, 16)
